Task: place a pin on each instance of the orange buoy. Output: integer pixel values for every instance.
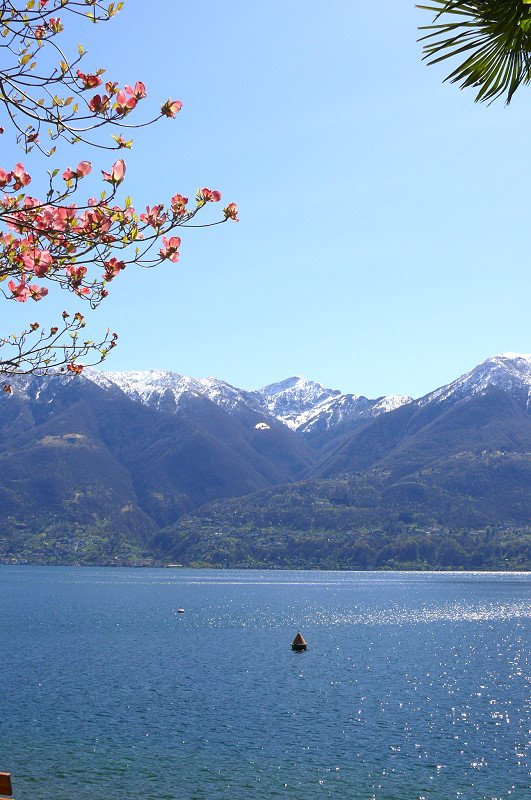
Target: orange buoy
(299, 643)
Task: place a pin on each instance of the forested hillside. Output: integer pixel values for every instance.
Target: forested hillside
(113, 468)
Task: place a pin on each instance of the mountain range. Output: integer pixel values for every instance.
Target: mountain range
(146, 467)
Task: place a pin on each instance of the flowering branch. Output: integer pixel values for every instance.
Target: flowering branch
(39, 351)
(81, 246)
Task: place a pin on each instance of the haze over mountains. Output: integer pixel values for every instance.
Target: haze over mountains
(116, 464)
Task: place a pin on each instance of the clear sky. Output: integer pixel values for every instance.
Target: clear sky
(384, 238)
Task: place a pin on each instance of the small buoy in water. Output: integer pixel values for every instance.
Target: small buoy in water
(299, 642)
(180, 610)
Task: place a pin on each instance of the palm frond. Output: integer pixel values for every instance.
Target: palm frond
(494, 36)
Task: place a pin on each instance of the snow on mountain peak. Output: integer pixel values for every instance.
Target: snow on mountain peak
(305, 405)
(282, 386)
(390, 402)
(349, 408)
(161, 388)
(293, 397)
(508, 371)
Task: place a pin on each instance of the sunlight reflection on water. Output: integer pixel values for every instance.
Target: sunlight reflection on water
(414, 684)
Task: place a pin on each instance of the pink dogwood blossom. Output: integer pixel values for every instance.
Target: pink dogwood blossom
(124, 104)
(171, 108)
(138, 91)
(21, 177)
(82, 169)
(210, 195)
(5, 178)
(88, 81)
(170, 248)
(112, 268)
(154, 216)
(76, 274)
(37, 261)
(178, 204)
(20, 292)
(98, 104)
(37, 292)
(231, 212)
(117, 173)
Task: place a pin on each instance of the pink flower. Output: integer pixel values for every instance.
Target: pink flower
(154, 216)
(124, 104)
(138, 92)
(76, 274)
(21, 177)
(116, 174)
(20, 292)
(178, 204)
(36, 292)
(95, 221)
(209, 195)
(5, 177)
(61, 217)
(171, 108)
(83, 168)
(112, 268)
(37, 261)
(88, 81)
(231, 212)
(98, 104)
(170, 248)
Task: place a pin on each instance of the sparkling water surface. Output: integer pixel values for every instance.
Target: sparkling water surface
(414, 685)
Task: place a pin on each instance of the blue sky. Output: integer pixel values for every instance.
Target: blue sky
(383, 245)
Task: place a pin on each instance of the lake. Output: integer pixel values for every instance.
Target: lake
(414, 685)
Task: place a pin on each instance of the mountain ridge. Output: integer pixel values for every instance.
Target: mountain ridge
(307, 406)
(116, 467)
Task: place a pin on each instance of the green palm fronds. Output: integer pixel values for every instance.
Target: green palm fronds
(493, 35)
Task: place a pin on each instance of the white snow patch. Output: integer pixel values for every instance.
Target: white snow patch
(508, 371)
(301, 404)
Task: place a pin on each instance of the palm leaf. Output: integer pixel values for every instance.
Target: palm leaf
(493, 35)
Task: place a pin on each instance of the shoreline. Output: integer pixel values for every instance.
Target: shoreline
(217, 568)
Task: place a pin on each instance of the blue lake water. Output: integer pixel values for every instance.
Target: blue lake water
(413, 686)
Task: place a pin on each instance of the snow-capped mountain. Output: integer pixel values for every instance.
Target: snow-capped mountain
(301, 404)
(133, 453)
(508, 371)
(164, 390)
(347, 408)
(293, 399)
(304, 406)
